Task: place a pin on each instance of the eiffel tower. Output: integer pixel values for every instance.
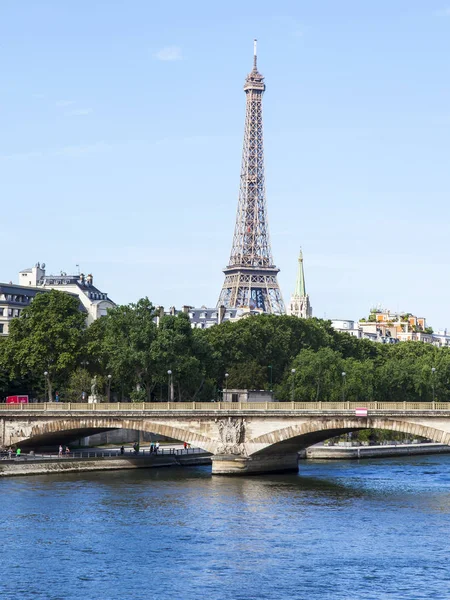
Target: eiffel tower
(251, 277)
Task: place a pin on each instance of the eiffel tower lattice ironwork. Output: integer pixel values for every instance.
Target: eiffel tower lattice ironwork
(251, 277)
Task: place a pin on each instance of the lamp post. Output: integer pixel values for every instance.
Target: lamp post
(170, 387)
(343, 385)
(45, 385)
(433, 371)
(271, 373)
(226, 387)
(293, 385)
(109, 388)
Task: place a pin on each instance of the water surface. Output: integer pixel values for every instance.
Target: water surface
(373, 529)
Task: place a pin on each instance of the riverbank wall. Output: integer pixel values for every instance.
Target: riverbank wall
(357, 452)
(26, 466)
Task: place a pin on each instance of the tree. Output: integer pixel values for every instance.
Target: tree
(187, 353)
(266, 340)
(317, 376)
(46, 338)
(121, 343)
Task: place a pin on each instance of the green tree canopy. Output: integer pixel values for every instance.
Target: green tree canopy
(47, 337)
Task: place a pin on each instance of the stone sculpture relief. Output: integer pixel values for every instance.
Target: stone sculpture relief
(231, 434)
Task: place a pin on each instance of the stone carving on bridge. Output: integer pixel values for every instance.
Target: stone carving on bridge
(231, 434)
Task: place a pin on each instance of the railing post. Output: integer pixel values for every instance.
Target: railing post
(404, 405)
(434, 405)
(267, 406)
(193, 406)
(348, 405)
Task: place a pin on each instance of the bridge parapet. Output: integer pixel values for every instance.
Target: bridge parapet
(223, 407)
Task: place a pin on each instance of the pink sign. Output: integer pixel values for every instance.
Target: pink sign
(361, 412)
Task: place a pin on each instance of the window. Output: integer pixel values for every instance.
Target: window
(1, 327)
(2, 312)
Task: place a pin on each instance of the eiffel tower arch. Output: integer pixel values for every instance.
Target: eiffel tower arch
(251, 276)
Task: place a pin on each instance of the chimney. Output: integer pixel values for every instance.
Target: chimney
(220, 314)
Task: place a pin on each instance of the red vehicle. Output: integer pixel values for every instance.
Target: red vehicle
(16, 399)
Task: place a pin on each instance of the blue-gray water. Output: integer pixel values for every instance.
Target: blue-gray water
(340, 530)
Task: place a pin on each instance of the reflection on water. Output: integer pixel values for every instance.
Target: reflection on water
(371, 529)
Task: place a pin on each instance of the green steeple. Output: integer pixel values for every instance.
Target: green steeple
(300, 288)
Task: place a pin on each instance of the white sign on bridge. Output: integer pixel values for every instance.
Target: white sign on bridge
(361, 412)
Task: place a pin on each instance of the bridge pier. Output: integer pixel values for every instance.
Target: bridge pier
(229, 464)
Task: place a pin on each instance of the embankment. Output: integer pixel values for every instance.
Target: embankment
(31, 466)
(355, 452)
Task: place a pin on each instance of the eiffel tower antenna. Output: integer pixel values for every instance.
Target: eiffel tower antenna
(251, 277)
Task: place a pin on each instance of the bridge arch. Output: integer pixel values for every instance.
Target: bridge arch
(76, 428)
(298, 437)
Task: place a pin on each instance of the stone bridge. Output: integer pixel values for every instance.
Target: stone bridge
(242, 437)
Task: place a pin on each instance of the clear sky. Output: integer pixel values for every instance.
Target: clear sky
(121, 125)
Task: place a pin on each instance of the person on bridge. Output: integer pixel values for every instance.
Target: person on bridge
(18, 452)
(60, 450)
(122, 450)
(156, 447)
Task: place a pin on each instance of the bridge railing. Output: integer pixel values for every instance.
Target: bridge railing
(222, 406)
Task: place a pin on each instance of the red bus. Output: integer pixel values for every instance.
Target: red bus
(16, 399)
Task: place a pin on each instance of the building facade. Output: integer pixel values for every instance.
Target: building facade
(14, 298)
(203, 317)
(95, 302)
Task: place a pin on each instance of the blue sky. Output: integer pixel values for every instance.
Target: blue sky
(121, 126)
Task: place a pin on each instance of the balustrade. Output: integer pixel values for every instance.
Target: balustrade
(142, 407)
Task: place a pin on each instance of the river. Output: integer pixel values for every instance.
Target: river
(374, 529)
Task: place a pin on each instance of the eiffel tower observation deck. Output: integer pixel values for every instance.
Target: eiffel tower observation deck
(251, 276)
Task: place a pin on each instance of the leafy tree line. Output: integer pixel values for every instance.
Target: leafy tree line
(130, 355)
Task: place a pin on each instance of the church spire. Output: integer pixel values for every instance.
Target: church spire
(300, 288)
(299, 305)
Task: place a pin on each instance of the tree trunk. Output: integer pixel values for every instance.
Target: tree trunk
(199, 389)
(50, 389)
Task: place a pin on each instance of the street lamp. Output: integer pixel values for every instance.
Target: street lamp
(226, 386)
(433, 371)
(170, 387)
(343, 385)
(45, 385)
(293, 384)
(271, 372)
(109, 388)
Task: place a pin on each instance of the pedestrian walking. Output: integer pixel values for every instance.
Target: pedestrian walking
(122, 450)
(152, 447)
(185, 445)
(9, 452)
(60, 450)
(18, 452)
(156, 447)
